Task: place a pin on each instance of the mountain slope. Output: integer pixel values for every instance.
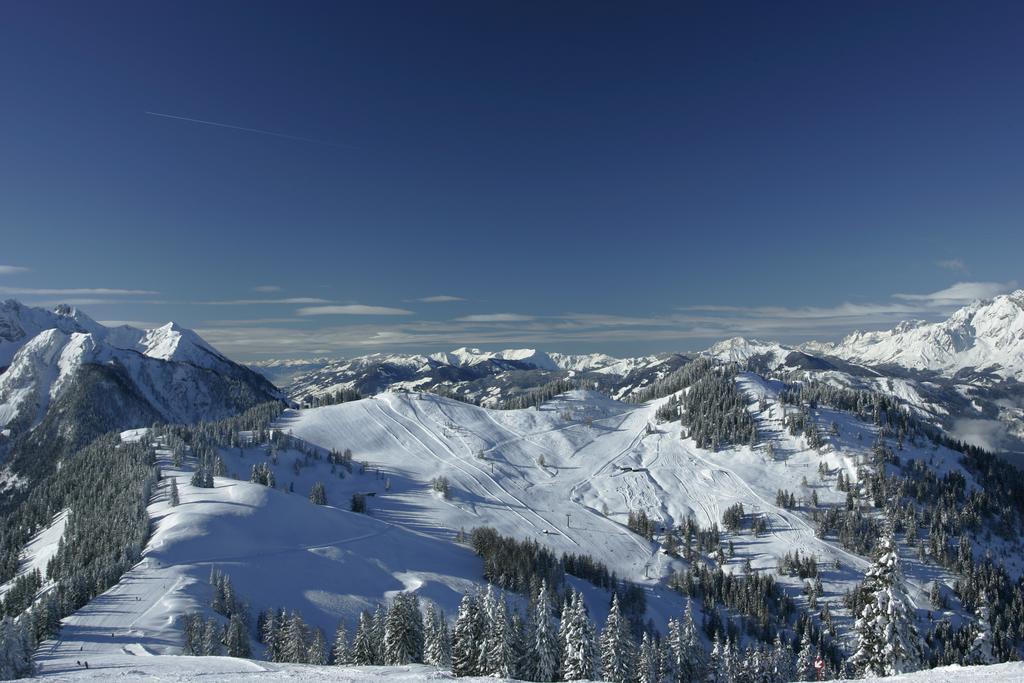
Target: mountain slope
(75, 379)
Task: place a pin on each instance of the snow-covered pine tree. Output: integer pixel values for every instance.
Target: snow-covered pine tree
(364, 652)
(295, 640)
(485, 617)
(647, 661)
(16, 646)
(675, 651)
(730, 661)
(519, 644)
(318, 495)
(271, 636)
(693, 660)
(783, 666)
(174, 492)
(577, 637)
(237, 638)
(543, 642)
(717, 661)
(436, 645)
(981, 645)
(403, 631)
(192, 628)
(616, 646)
(887, 638)
(501, 656)
(340, 653)
(465, 638)
(211, 638)
(317, 651)
(380, 618)
(805, 658)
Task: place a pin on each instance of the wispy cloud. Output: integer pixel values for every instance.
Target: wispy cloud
(352, 309)
(439, 299)
(266, 288)
(295, 301)
(960, 294)
(687, 328)
(90, 301)
(12, 270)
(954, 264)
(252, 321)
(494, 318)
(81, 291)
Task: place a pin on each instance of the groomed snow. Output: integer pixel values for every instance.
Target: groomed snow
(128, 667)
(565, 474)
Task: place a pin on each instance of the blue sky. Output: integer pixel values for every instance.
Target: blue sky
(622, 177)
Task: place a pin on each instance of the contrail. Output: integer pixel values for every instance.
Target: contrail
(249, 130)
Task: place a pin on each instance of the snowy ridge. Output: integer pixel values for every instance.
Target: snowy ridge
(169, 366)
(986, 335)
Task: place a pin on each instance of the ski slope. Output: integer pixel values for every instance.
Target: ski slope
(279, 550)
(601, 459)
(565, 474)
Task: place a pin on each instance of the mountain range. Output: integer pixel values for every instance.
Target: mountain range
(647, 478)
(964, 372)
(66, 378)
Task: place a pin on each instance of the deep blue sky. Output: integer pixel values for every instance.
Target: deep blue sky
(596, 170)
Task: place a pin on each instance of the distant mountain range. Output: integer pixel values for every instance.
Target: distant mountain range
(964, 372)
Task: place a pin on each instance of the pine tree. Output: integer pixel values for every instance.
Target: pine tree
(380, 617)
(501, 659)
(174, 492)
(691, 663)
(783, 668)
(730, 661)
(340, 653)
(887, 638)
(647, 661)
(403, 631)
(805, 658)
(437, 642)
(616, 646)
(465, 637)
(295, 640)
(318, 495)
(237, 638)
(520, 645)
(543, 640)
(577, 637)
(485, 616)
(211, 638)
(16, 646)
(981, 645)
(717, 664)
(317, 651)
(271, 636)
(364, 650)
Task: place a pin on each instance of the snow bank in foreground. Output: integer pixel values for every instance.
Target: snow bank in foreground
(137, 668)
(998, 673)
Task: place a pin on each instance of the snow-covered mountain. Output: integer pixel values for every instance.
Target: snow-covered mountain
(567, 476)
(487, 377)
(98, 378)
(986, 336)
